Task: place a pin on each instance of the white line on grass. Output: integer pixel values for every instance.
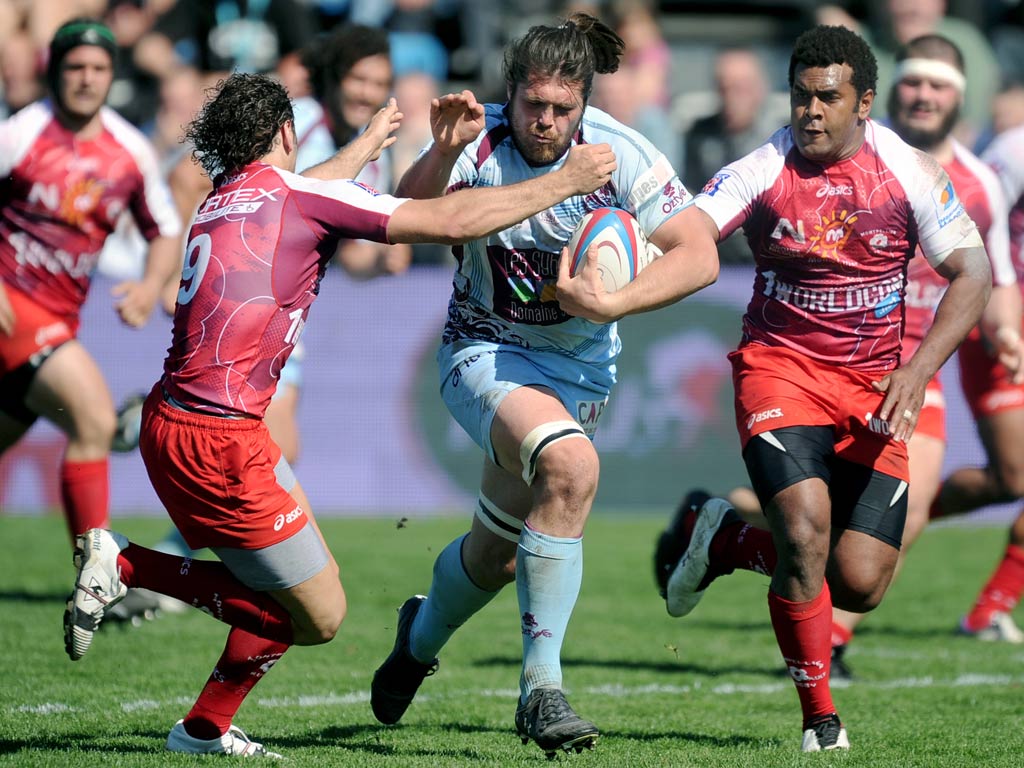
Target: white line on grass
(609, 691)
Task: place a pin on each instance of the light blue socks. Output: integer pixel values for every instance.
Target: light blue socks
(453, 598)
(549, 572)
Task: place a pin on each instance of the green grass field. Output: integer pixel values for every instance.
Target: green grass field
(702, 691)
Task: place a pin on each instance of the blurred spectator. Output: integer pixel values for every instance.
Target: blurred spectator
(20, 73)
(742, 123)
(647, 53)
(1008, 108)
(892, 23)
(413, 26)
(243, 35)
(135, 92)
(618, 94)
(350, 76)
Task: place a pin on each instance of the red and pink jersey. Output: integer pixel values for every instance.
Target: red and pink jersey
(982, 196)
(256, 253)
(1006, 156)
(832, 244)
(61, 196)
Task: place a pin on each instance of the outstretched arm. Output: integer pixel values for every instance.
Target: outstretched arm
(470, 214)
(455, 121)
(348, 161)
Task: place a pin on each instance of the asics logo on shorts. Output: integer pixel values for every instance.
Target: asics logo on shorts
(282, 520)
(52, 331)
(757, 418)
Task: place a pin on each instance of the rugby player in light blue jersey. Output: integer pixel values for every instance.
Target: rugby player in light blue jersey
(527, 360)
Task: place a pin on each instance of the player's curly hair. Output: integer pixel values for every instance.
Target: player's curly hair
(238, 123)
(575, 50)
(825, 45)
(330, 57)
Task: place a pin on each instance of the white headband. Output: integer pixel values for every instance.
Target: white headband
(931, 69)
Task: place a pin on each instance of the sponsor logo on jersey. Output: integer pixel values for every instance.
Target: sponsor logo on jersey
(650, 182)
(235, 202)
(884, 295)
(675, 196)
(831, 235)
(367, 187)
(714, 183)
(947, 205)
(834, 190)
(887, 304)
(757, 418)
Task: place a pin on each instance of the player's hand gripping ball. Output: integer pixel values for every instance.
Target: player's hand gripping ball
(622, 247)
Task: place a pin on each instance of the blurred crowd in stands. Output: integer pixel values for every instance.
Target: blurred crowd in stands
(705, 81)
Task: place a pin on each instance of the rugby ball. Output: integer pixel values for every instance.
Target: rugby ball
(622, 248)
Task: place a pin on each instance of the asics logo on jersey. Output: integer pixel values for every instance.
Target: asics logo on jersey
(830, 190)
(757, 418)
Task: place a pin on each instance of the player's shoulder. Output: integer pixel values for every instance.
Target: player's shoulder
(128, 136)
(38, 113)
(975, 165)
(598, 127)
(1006, 148)
(895, 152)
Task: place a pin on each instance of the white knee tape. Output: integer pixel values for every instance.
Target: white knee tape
(498, 522)
(541, 437)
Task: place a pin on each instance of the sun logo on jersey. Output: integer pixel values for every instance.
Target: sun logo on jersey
(830, 236)
(80, 199)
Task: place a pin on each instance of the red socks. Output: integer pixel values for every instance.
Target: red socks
(745, 547)
(840, 634)
(803, 631)
(209, 586)
(85, 493)
(245, 660)
(1002, 592)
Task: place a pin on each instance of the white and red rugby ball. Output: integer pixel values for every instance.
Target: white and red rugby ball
(622, 247)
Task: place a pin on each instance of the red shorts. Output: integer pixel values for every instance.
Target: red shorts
(985, 381)
(777, 387)
(35, 330)
(932, 419)
(216, 478)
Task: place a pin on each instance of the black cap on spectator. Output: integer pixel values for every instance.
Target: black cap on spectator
(72, 34)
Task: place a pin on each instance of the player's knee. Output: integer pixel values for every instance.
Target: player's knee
(859, 592)
(324, 626)
(95, 427)
(490, 564)
(1011, 481)
(569, 471)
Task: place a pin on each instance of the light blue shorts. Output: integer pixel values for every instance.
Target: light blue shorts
(477, 375)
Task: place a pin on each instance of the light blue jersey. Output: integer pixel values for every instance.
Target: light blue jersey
(504, 284)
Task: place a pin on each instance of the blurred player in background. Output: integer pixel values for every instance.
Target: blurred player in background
(526, 365)
(834, 207)
(996, 398)
(70, 167)
(257, 250)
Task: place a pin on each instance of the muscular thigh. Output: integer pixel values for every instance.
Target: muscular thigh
(69, 389)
